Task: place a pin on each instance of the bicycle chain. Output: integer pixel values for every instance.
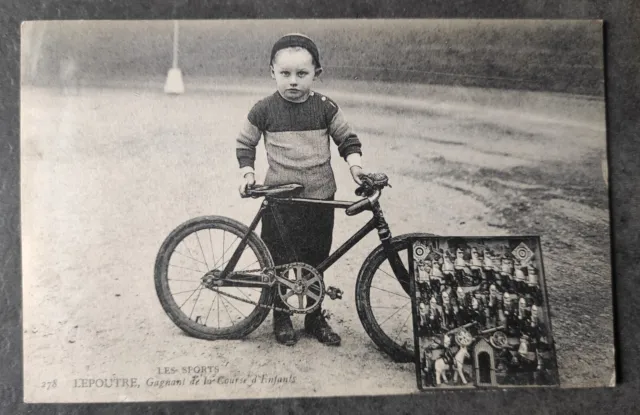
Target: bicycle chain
(272, 307)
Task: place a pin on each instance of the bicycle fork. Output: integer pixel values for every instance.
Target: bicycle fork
(398, 268)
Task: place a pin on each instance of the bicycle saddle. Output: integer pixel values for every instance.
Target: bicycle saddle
(264, 190)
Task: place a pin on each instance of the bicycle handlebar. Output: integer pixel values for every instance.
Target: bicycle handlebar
(370, 187)
(363, 204)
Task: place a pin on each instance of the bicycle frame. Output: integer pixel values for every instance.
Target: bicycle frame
(376, 222)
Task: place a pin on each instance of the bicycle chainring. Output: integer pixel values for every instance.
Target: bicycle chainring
(300, 287)
(310, 283)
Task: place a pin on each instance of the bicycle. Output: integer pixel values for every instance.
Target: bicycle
(236, 277)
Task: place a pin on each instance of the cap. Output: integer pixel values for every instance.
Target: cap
(297, 40)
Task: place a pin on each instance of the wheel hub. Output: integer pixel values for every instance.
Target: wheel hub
(300, 287)
(212, 278)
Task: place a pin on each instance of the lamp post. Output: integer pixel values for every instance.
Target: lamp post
(174, 83)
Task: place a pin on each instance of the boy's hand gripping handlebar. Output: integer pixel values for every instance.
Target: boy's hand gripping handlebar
(371, 187)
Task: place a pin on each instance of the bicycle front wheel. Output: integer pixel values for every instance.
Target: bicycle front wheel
(199, 246)
(384, 307)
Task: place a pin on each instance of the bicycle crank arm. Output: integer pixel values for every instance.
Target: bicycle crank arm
(284, 282)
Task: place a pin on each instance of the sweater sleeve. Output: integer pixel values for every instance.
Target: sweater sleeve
(249, 138)
(341, 132)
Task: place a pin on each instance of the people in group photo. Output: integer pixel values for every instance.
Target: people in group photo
(477, 293)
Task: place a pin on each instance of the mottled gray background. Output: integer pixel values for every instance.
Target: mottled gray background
(623, 43)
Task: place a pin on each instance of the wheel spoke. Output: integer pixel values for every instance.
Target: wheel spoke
(390, 292)
(288, 295)
(399, 309)
(242, 292)
(209, 313)
(227, 310)
(190, 257)
(204, 257)
(186, 245)
(300, 300)
(235, 308)
(213, 256)
(189, 269)
(226, 262)
(313, 295)
(188, 291)
(393, 277)
(251, 264)
(185, 301)
(401, 327)
(176, 279)
(221, 259)
(196, 302)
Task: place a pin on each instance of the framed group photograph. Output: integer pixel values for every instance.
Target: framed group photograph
(481, 313)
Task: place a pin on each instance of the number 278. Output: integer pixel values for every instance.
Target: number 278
(49, 385)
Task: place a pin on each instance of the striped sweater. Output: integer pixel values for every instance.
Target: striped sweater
(297, 141)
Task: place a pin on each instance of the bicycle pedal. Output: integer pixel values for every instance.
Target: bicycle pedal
(334, 293)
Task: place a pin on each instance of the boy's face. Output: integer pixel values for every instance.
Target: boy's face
(294, 72)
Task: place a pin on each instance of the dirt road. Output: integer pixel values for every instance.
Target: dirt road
(108, 173)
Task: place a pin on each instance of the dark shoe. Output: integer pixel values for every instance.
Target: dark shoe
(283, 329)
(316, 325)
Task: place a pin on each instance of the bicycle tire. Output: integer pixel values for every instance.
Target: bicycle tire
(372, 263)
(237, 331)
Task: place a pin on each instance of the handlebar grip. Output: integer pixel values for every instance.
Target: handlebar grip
(248, 193)
(250, 189)
(357, 207)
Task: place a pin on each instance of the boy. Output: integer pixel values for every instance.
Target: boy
(296, 123)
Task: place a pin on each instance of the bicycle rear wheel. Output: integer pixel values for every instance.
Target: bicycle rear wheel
(383, 305)
(194, 248)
